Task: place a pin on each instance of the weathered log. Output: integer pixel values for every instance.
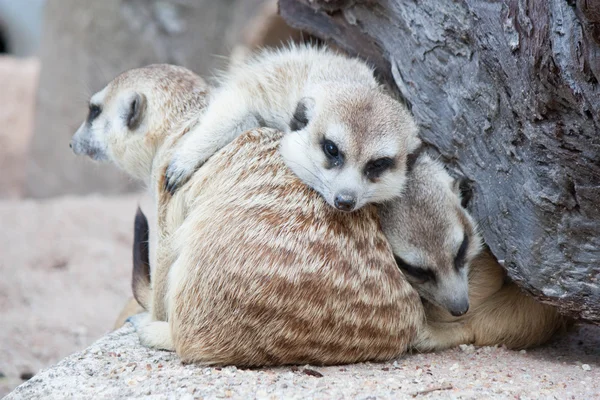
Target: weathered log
(507, 93)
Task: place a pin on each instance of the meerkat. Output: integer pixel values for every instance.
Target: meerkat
(134, 123)
(465, 290)
(499, 313)
(345, 136)
(263, 271)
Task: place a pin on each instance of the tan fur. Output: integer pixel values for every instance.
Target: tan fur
(264, 272)
(283, 278)
(245, 291)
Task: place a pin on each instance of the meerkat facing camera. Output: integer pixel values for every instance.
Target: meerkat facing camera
(345, 136)
(245, 287)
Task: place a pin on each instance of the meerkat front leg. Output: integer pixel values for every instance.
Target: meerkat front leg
(226, 117)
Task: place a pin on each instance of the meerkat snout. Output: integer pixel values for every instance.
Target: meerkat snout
(345, 201)
(459, 307)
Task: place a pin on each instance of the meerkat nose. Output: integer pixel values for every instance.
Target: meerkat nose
(345, 201)
(459, 309)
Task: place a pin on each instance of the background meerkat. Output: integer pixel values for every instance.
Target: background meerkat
(134, 122)
(346, 138)
(467, 298)
(245, 287)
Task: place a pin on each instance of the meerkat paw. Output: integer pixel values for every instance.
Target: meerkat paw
(156, 335)
(180, 170)
(139, 320)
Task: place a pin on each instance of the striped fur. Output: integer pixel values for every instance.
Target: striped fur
(268, 274)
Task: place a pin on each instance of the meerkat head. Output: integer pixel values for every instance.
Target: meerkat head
(350, 144)
(432, 235)
(129, 119)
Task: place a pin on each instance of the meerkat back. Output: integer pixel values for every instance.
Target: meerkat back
(268, 274)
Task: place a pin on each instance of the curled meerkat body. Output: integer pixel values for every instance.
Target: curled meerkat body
(284, 278)
(467, 299)
(264, 271)
(345, 137)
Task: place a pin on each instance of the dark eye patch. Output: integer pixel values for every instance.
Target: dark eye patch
(421, 274)
(375, 168)
(459, 260)
(334, 156)
(94, 112)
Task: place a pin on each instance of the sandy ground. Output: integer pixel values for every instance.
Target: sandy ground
(118, 367)
(65, 267)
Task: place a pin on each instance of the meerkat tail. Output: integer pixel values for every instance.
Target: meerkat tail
(140, 278)
(515, 319)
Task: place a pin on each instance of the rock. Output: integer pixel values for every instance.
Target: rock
(117, 367)
(86, 44)
(507, 93)
(18, 80)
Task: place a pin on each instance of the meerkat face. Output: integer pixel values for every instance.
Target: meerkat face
(432, 236)
(113, 116)
(350, 145)
(129, 119)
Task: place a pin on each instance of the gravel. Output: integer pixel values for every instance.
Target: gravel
(116, 366)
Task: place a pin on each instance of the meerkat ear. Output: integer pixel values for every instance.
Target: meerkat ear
(135, 113)
(462, 187)
(302, 114)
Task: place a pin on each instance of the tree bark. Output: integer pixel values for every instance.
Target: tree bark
(507, 93)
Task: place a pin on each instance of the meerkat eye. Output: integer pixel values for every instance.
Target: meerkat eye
(330, 149)
(375, 168)
(334, 156)
(459, 260)
(422, 275)
(95, 110)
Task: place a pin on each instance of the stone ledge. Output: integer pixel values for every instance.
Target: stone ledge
(116, 366)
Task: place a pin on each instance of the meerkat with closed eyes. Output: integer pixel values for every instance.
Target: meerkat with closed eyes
(467, 297)
(345, 136)
(257, 268)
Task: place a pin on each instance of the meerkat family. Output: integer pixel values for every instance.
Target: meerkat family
(282, 277)
(499, 313)
(345, 137)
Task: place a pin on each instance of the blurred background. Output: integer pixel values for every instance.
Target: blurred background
(66, 222)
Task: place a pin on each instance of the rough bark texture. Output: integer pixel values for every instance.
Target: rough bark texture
(507, 93)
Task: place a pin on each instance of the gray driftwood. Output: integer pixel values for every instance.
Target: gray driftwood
(507, 93)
